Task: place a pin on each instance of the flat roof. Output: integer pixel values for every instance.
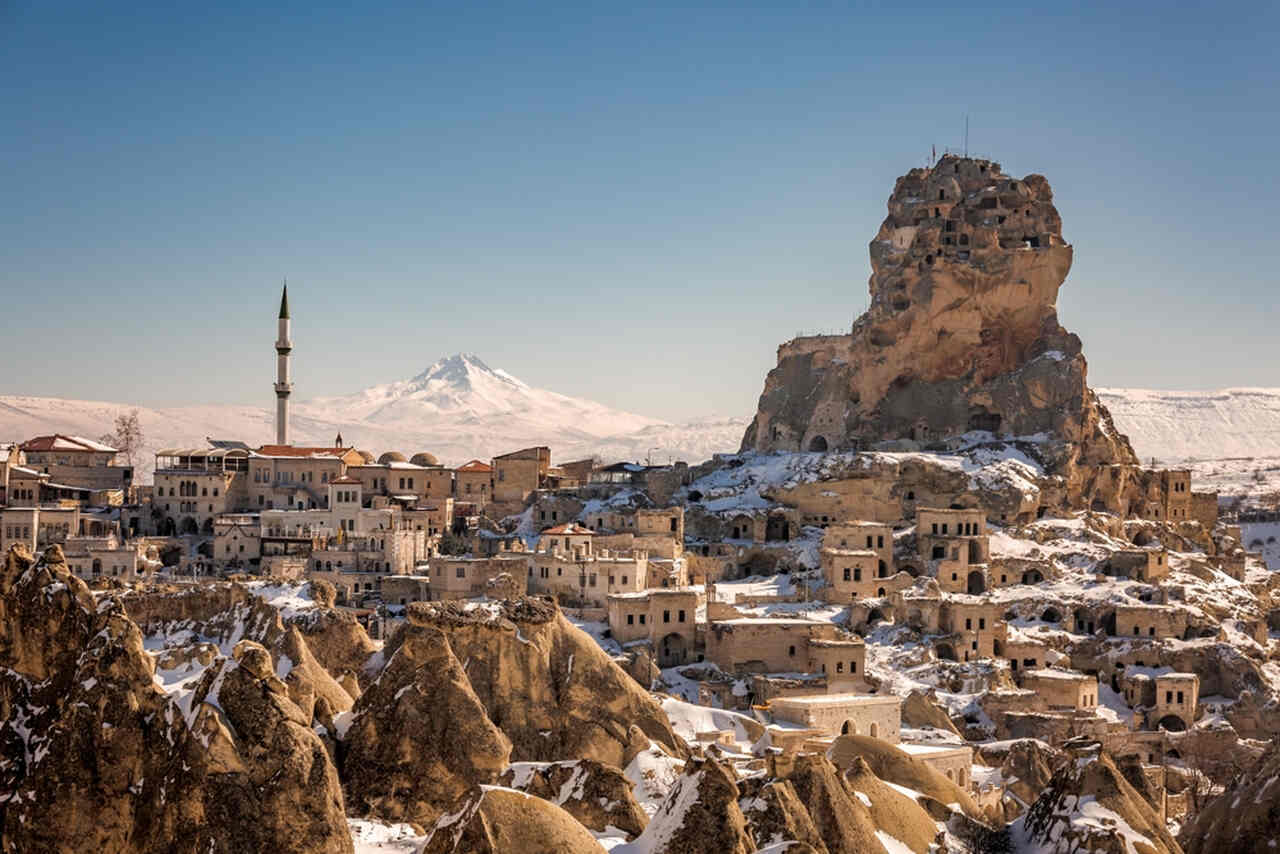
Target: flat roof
(837, 700)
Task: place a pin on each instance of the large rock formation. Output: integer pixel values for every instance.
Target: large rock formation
(701, 813)
(493, 820)
(962, 333)
(1090, 808)
(1244, 819)
(599, 796)
(94, 756)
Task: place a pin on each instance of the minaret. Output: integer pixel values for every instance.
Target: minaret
(283, 386)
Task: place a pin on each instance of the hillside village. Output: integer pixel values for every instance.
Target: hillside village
(934, 602)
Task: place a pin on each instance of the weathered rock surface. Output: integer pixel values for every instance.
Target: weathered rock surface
(1029, 763)
(1244, 819)
(1089, 808)
(893, 766)
(493, 820)
(920, 711)
(546, 684)
(843, 822)
(700, 814)
(774, 811)
(97, 757)
(419, 737)
(893, 812)
(599, 796)
(962, 333)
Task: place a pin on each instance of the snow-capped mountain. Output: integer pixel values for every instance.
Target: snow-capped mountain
(463, 393)
(458, 409)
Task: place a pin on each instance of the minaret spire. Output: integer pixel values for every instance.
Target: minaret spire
(284, 346)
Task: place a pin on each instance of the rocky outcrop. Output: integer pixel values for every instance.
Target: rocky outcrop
(1244, 819)
(493, 820)
(599, 796)
(962, 334)
(97, 757)
(1089, 808)
(419, 737)
(920, 711)
(843, 822)
(546, 684)
(700, 813)
(893, 812)
(774, 811)
(893, 766)
(1027, 764)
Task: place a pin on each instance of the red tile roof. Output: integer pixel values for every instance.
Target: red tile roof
(345, 480)
(476, 466)
(59, 442)
(572, 529)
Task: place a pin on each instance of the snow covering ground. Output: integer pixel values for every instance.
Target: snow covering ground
(375, 837)
(1197, 425)
(1264, 537)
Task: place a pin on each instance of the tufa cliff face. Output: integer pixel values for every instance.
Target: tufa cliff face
(962, 333)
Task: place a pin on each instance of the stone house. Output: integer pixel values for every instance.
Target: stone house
(872, 536)
(237, 540)
(842, 714)
(1063, 689)
(473, 483)
(76, 461)
(667, 619)
(975, 627)
(91, 558)
(468, 577)
(956, 542)
(762, 645)
(518, 474)
(1150, 621)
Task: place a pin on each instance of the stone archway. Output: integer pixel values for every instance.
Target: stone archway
(1032, 576)
(818, 444)
(1172, 723)
(849, 728)
(976, 584)
(945, 652)
(1051, 615)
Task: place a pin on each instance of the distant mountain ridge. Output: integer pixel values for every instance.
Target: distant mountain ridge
(458, 408)
(1197, 425)
(461, 408)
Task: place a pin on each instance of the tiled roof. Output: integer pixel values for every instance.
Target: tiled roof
(573, 529)
(476, 466)
(59, 442)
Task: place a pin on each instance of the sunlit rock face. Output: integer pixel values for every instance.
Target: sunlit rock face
(962, 334)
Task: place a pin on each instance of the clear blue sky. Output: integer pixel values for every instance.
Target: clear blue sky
(629, 202)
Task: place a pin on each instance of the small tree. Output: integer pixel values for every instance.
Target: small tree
(127, 439)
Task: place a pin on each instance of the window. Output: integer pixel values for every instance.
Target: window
(982, 622)
(853, 667)
(847, 573)
(642, 619)
(1168, 696)
(631, 619)
(461, 571)
(666, 616)
(839, 667)
(624, 579)
(681, 619)
(935, 527)
(1180, 700)
(611, 581)
(593, 579)
(857, 573)
(968, 623)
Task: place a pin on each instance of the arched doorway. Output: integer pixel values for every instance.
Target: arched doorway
(1172, 723)
(976, 583)
(875, 731)
(1051, 615)
(1032, 576)
(945, 652)
(672, 651)
(189, 526)
(818, 443)
(849, 728)
(97, 567)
